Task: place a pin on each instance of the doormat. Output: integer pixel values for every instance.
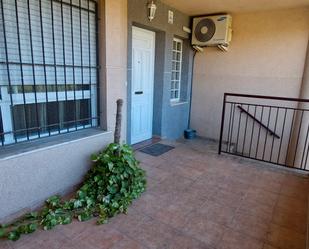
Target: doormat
(157, 149)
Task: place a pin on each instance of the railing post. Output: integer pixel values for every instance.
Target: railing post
(222, 124)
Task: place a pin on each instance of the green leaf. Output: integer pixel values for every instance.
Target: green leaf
(13, 235)
(102, 221)
(85, 187)
(32, 227)
(112, 189)
(114, 180)
(94, 158)
(110, 166)
(106, 199)
(77, 204)
(67, 220)
(32, 215)
(2, 232)
(53, 222)
(67, 205)
(53, 201)
(84, 216)
(89, 202)
(22, 229)
(81, 194)
(115, 205)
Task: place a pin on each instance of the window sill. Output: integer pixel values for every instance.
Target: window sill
(14, 150)
(176, 103)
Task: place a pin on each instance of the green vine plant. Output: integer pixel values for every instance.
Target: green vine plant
(110, 186)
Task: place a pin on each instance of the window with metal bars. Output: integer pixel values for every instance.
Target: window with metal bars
(176, 69)
(48, 68)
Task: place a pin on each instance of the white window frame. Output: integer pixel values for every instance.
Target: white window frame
(175, 81)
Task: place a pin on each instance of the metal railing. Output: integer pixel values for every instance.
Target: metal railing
(266, 128)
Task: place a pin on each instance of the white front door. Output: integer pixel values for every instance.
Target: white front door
(143, 52)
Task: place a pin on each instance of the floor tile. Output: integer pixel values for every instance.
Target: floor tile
(252, 226)
(267, 185)
(227, 197)
(294, 192)
(290, 220)
(236, 240)
(5, 244)
(267, 246)
(78, 245)
(215, 212)
(261, 196)
(196, 199)
(183, 241)
(148, 232)
(127, 243)
(155, 173)
(257, 209)
(293, 205)
(285, 238)
(100, 237)
(151, 204)
(185, 170)
(149, 160)
(199, 227)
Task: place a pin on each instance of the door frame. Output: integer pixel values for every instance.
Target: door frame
(151, 103)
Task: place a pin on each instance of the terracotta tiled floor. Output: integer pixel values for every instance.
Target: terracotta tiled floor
(197, 199)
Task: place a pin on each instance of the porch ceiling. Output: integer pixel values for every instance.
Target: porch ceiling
(197, 7)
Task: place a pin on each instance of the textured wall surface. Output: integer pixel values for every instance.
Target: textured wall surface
(29, 178)
(113, 60)
(169, 120)
(266, 56)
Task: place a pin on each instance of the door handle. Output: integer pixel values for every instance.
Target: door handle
(139, 92)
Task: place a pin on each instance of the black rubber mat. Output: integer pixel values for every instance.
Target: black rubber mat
(157, 149)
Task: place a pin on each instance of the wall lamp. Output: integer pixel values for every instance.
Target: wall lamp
(152, 7)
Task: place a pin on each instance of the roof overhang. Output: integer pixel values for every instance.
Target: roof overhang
(198, 7)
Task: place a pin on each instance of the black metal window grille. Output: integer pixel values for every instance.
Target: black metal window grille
(48, 68)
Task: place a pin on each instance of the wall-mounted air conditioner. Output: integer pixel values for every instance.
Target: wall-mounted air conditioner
(212, 30)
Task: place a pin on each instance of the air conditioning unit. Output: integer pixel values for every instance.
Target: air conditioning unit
(212, 31)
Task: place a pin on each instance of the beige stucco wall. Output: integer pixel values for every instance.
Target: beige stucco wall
(113, 60)
(266, 56)
(28, 179)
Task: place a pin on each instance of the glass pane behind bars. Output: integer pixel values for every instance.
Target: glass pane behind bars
(48, 68)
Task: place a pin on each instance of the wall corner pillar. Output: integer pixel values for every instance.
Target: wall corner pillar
(295, 155)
